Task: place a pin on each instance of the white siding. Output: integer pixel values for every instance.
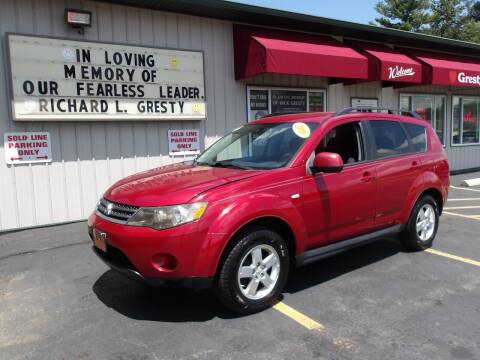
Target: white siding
(89, 156)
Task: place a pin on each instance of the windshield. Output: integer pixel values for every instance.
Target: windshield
(258, 146)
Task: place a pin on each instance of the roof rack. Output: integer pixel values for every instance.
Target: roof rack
(368, 109)
(283, 113)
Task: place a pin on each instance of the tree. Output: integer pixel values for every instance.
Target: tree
(449, 18)
(475, 11)
(409, 15)
(472, 32)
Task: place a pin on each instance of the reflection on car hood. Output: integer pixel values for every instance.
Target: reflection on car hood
(173, 184)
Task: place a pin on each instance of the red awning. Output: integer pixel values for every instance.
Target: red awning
(387, 64)
(444, 69)
(260, 51)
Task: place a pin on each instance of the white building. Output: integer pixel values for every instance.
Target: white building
(276, 62)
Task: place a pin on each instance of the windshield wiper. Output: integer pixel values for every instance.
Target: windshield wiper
(223, 163)
(227, 164)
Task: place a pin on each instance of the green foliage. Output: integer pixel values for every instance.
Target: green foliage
(454, 19)
(472, 32)
(409, 15)
(475, 11)
(448, 18)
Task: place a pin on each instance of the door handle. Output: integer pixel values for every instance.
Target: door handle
(367, 177)
(415, 164)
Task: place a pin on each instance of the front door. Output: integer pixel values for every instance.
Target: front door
(340, 205)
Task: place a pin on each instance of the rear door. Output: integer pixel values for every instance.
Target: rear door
(397, 168)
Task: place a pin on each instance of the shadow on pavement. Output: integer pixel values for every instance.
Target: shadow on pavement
(318, 273)
(165, 304)
(171, 304)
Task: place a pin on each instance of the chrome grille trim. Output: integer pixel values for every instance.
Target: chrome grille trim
(115, 212)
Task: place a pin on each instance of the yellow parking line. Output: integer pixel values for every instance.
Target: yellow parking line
(473, 217)
(297, 316)
(462, 207)
(453, 257)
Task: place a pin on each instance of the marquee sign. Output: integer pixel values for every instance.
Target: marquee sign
(59, 79)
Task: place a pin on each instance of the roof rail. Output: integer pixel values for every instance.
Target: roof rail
(283, 113)
(368, 109)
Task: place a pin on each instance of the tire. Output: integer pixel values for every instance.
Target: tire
(421, 238)
(248, 290)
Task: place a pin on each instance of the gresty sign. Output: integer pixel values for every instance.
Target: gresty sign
(183, 142)
(56, 79)
(27, 147)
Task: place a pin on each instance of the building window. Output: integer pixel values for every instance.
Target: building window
(465, 120)
(272, 100)
(430, 107)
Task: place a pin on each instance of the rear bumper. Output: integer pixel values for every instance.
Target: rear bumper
(124, 267)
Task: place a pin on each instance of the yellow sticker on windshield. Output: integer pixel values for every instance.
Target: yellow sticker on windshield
(301, 130)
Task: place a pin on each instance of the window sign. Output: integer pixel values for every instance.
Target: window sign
(364, 102)
(465, 120)
(263, 101)
(60, 79)
(430, 107)
(284, 101)
(258, 103)
(316, 101)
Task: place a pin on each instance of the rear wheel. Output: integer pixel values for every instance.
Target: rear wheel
(254, 271)
(422, 225)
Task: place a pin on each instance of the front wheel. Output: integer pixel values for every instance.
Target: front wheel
(254, 271)
(422, 225)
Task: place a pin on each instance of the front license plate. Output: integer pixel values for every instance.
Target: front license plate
(100, 240)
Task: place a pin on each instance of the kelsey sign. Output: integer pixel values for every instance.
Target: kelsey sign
(56, 79)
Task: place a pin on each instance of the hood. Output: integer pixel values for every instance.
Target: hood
(172, 184)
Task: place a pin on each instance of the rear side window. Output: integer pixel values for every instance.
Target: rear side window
(418, 136)
(390, 139)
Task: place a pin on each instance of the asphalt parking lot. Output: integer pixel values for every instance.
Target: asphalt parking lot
(58, 301)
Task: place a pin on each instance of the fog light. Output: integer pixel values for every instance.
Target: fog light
(164, 262)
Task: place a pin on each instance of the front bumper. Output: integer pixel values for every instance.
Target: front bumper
(132, 273)
(133, 251)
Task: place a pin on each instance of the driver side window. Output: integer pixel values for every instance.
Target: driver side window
(345, 140)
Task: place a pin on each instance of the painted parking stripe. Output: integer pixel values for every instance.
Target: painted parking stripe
(462, 188)
(464, 199)
(473, 217)
(297, 316)
(453, 257)
(462, 207)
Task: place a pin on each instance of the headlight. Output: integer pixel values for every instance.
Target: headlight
(165, 217)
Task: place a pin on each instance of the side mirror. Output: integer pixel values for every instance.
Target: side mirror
(327, 162)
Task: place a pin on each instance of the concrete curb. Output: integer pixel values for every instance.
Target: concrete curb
(471, 182)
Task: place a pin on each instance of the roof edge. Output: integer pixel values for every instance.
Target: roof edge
(263, 16)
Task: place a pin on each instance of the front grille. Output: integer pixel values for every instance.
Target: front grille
(113, 210)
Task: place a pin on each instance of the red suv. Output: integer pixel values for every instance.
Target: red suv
(278, 192)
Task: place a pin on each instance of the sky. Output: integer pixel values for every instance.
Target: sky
(359, 11)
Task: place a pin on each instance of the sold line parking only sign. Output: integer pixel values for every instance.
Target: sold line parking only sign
(27, 147)
(183, 142)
